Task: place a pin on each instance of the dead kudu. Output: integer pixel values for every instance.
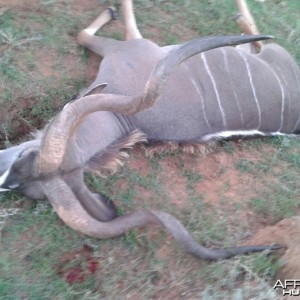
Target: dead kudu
(182, 93)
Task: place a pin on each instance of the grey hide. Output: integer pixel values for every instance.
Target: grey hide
(221, 90)
(205, 97)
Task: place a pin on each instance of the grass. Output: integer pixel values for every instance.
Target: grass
(28, 75)
(226, 278)
(277, 172)
(208, 194)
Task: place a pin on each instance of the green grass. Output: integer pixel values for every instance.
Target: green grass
(234, 279)
(277, 171)
(144, 263)
(34, 48)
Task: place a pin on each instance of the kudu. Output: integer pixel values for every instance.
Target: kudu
(181, 93)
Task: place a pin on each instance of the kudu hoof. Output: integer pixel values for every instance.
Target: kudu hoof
(113, 13)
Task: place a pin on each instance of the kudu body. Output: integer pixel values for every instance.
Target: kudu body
(153, 93)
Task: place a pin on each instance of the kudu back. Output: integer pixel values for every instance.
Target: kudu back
(180, 94)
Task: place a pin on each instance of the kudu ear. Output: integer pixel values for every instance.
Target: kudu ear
(94, 90)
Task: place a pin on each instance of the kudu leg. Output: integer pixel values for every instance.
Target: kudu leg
(132, 31)
(246, 21)
(98, 44)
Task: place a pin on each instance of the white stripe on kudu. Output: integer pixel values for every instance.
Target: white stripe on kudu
(202, 102)
(243, 133)
(282, 93)
(4, 176)
(215, 89)
(252, 85)
(232, 85)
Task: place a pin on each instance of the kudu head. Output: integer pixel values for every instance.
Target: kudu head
(46, 168)
(16, 166)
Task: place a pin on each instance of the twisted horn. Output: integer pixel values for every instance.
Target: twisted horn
(164, 68)
(64, 125)
(96, 205)
(71, 212)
